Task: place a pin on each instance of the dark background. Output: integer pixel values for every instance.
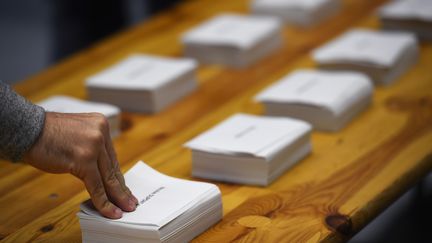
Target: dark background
(35, 34)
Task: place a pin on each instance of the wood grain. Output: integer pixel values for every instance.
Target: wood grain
(146, 132)
(350, 178)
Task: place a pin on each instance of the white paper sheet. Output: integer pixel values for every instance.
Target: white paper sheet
(408, 9)
(142, 72)
(162, 198)
(303, 4)
(334, 91)
(233, 30)
(250, 135)
(67, 104)
(365, 46)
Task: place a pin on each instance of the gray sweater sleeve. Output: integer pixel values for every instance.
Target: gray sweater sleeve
(21, 123)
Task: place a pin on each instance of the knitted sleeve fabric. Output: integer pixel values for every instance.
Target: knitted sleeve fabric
(21, 123)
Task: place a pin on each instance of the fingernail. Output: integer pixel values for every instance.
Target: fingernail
(132, 204)
(136, 200)
(118, 212)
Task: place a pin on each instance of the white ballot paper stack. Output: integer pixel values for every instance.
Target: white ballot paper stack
(408, 15)
(384, 56)
(302, 13)
(170, 210)
(327, 100)
(66, 104)
(250, 149)
(233, 40)
(144, 83)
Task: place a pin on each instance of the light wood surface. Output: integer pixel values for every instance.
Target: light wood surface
(350, 177)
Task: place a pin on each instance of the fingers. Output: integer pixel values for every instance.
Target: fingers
(113, 187)
(115, 166)
(96, 189)
(106, 184)
(120, 178)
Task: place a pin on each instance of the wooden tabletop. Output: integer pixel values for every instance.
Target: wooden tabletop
(350, 177)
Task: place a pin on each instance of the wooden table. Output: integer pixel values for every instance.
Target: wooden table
(350, 178)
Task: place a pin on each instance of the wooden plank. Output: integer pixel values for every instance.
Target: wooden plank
(361, 176)
(327, 197)
(143, 133)
(214, 79)
(387, 161)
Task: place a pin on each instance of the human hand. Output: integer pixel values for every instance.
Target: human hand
(80, 144)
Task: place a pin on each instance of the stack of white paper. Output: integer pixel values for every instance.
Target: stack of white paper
(170, 210)
(303, 13)
(327, 100)
(67, 104)
(144, 83)
(233, 40)
(408, 15)
(250, 149)
(384, 56)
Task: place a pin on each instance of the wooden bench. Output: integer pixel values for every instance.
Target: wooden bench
(350, 178)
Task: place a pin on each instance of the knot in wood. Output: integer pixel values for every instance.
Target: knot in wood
(47, 228)
(339, 223)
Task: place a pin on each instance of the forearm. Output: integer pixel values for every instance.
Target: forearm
(21, 123)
